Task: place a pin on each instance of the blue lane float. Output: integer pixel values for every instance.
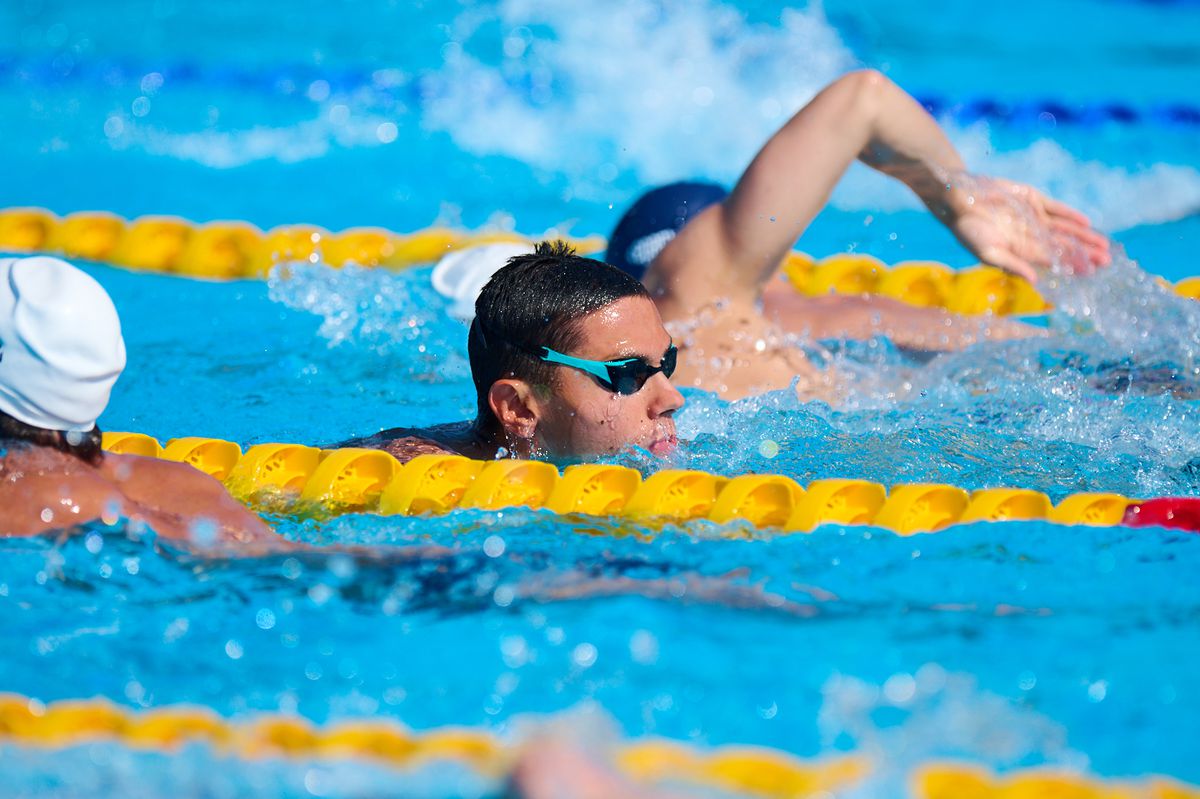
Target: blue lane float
(299, 80)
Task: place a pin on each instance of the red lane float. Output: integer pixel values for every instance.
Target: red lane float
(1177, 513)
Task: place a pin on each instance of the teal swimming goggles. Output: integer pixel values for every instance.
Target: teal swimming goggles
(626, 376)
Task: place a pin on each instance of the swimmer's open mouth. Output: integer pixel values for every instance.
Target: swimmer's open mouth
(664, 446)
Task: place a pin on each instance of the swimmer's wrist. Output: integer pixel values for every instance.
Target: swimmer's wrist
(945, 196)
(939, 188)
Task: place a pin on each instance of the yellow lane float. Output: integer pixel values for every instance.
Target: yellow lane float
(958, 781)
(746, 770)
(225, 250)
(232, 249)
(372, 481)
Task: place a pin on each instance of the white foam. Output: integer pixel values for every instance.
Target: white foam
(667, 91)
(1114, 197)
(941, 714)
(227, 149)
(663, 89)
(376, 311)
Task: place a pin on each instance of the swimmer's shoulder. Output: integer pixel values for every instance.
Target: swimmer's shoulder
(43, 490)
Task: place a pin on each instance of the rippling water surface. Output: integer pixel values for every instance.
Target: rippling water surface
(1011, 645)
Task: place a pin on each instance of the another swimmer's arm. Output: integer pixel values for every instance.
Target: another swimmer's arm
(737, 246)
(1002, 223)
(190, 498)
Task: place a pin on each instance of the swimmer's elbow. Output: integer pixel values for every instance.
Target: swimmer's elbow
(865, 81)
(866, 88)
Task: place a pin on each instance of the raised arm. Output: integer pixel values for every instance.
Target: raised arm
(732, 249)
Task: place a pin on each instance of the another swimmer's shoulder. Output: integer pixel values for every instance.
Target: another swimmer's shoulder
(406, 443)
(43, 490)
(406, 448)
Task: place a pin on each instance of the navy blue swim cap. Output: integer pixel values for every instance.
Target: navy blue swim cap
(653, 221)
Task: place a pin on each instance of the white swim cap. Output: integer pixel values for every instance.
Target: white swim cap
(60, 344)
(461, 275)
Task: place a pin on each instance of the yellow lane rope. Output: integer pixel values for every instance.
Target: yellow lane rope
(373, 481)
(226, 250)
(756, 771)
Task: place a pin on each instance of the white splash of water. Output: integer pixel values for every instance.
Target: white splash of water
(1133, 312)
(665, 89)
(937, 715)
(375, 309)
(227, 149)
(1114, 198)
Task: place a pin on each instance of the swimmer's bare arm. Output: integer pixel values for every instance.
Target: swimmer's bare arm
(170, 498)
(176, 500)
(867, 316)
(732, 249)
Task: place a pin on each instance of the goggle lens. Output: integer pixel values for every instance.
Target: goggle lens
(629, 377)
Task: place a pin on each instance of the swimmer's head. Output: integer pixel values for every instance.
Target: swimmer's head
(545, 310)
(61, 351)
(652, 222)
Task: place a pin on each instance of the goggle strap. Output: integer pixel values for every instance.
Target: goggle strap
(595, 368)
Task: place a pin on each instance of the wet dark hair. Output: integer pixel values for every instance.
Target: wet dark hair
(534, 301)
(87, 448)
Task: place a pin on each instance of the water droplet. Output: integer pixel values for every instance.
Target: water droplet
(584, 655)
(94, 543)
(769, 711)
(643, 648)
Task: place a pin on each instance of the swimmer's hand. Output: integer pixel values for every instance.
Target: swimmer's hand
(1020, 230)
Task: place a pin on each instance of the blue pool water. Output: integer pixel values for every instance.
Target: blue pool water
(1009, 646)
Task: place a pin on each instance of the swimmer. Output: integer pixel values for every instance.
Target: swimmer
(710, 259)
(61, 351)
(570, 360)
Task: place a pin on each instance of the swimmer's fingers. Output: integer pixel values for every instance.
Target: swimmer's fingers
(1095, 245)
(1080, 250)
(1081, 257)
(1063, 211)
(1010, 262)
(1067, 222)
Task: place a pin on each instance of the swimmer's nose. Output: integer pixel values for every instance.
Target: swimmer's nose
(666, 399)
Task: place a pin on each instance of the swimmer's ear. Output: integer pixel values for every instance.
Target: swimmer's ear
(515, 406)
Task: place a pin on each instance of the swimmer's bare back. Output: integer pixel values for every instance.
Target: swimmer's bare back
(42, 490)
(731, 348)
